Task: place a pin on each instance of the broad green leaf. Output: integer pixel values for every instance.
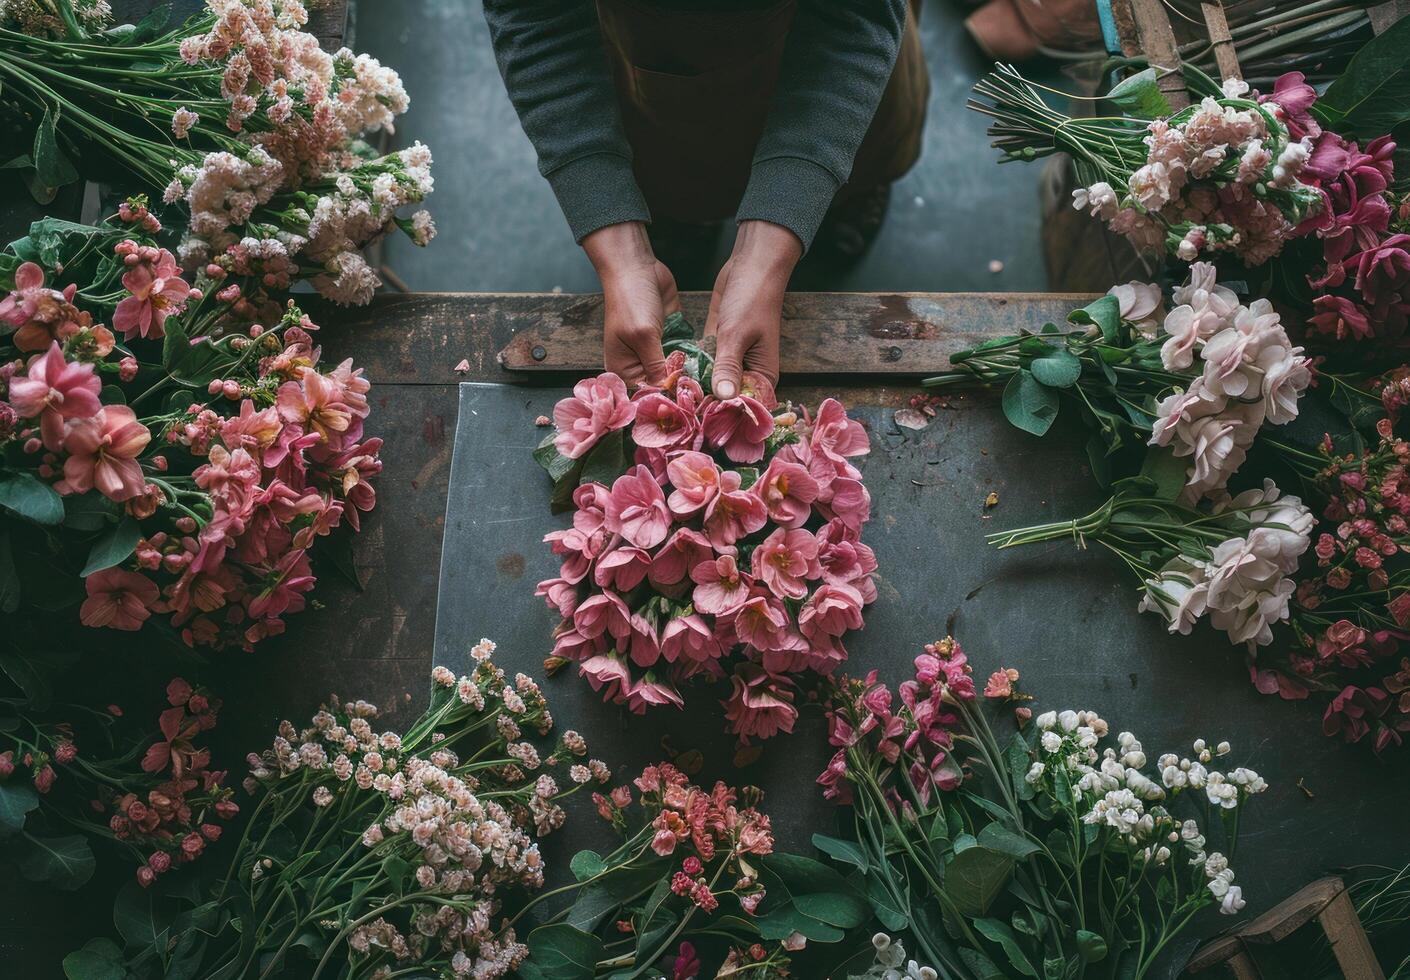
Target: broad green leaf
(561, 952)
(975, 877)
(1020, 760)
(64, 862)
(52, 167)
(782, 922)
(841, 850)
(138, 917)
(1029, 405)
(846, 911)
(555, 463)
(999, 838)
(587, 864)
(1167, 471)
(980, 965)
(27, 671)
(1103, 313)
(889, 912)
(804, 875)
(1372, 95)
(677, 327)
(30, 498)
(1057, 369)
(98, 959)
(16, 801)
(1140, 96)
(90, 511)
(1090, 946)
(1002, 933)
(607, 460)
(114, 547)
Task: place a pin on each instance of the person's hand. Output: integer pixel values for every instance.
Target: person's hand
(638, 293)
(746, 308)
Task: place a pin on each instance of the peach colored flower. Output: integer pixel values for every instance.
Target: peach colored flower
(103, 453)
(661, 423)
(118, 599)
(158, 291)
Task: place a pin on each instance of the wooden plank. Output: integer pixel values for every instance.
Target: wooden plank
(1218, 26)
(1292, 913)
(1158, 43)
(1348, 938)
(833, 334)
(328, 21)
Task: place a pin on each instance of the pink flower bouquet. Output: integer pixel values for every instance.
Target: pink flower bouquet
(182, 471)
(715, 538)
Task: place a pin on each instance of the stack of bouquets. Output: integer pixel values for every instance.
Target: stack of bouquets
(264, 137)
(710, 537)
(189, 460)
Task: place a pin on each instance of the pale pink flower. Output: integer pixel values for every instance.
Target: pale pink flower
(158, 291)
(844, 559)
(848, 501)
(54, 389)
(760, 706)
(316, 403)
(598, 406)
(118, 599)
(608, 671)
(590, 499)
(785, 560)
(733, 513)
(661, 423)
(560, 594)
(788, 491)
(695, 479)
(649, 692)
(739, 426)
(103, 453)
(637, 509)
(642, 644)
(720, 587)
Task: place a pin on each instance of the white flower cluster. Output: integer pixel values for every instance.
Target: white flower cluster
(1111, 790)
(891, 963)
(1244, 585)
(1251, 373)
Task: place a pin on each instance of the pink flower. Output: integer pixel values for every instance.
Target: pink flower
(649, 692)
(696, 480)
(760, 706)
(835, 435)
(54, 390)
(637, 510)
(590, 499)
(684, 550)
(832, 610)
(103, 453)
(661, 423)
(316, 403)
(578, 549)
(642, 643)
(604, 612)
(764, 623)
(118, 599)
(40, 315)
(785, 561)
(788, 491)
(849, 502)
(622, 569)
(689, 638)
(572, 645)
(1000, 684)
(720, 587)
(607, 671)
(157, 291)
(1339, 317)
(1295, 96)
(739, 426)
(845, 560)
(734, 513)
(598, 406)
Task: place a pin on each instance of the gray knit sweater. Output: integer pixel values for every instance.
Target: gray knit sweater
(836, 63)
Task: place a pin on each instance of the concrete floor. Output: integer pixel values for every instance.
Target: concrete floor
(500, 228)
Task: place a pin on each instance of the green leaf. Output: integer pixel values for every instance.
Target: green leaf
(1090, 946)
(16, 801)
(1057, 369)
(9, 575)
(844, 910)
(1372, 95)
(1104, 313)
(1029, 405)
(1020, 760)
(23, 494)
(975, 877)
(26, 670)
(889, 912)
(587, 864)
(841, 850)
(563, 953)
(90, 511)
(139, 919)
(788, 918)
(606, 461)
(1167, 471)
(804, 876)
(1140, 96)
(980, 965)
(677, 327)
(114, 547)
(64, 862)
(98, 959)
(555, 463)
(999, 838)
(397, 871)
(52, 168)
(1002, 933)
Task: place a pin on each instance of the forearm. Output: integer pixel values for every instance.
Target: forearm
(838, 60)
(551, 57)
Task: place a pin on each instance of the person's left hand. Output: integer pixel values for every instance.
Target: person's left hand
(746, 307)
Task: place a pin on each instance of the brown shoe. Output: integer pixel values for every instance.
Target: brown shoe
(1016, 30)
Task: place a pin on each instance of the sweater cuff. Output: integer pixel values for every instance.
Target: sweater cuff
(596, 191)
(789, 191)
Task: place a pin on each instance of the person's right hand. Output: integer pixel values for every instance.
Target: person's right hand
(638, 293)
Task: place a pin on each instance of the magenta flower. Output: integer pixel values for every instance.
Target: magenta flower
(788, 491)
(760, 706)
(661, 423)
(158, 291)
(1383, 276)
(103, 453)
(597, 406)
(831, 611)
(55, 389)
(740, 426)
(1292, 93)
(720, 587)
(733, 513)
(784, 562)
(118, 599)
(689, 638)
(1339, 317)
(696, 480)
(637, 510)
